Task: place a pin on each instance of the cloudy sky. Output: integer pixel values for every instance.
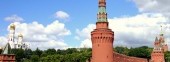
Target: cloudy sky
(62, 24)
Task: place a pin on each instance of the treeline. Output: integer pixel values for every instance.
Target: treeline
(76, 54)
(142, 52)
(52, 55)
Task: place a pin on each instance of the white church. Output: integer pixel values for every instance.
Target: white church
(19, 40)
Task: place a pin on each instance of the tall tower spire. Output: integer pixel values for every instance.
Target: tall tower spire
(102, 37)
(161, 31)
(11, 35)
(102, 15)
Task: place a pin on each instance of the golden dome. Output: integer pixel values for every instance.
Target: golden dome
(12, 26)
(20, 35)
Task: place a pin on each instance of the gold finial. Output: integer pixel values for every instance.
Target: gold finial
(20, 35)
(12, 26)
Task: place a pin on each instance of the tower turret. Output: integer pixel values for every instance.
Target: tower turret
(157, 54)
(102, 37)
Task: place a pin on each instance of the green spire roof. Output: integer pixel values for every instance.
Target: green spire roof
(102, 15)
(7, 49)
(102, 10)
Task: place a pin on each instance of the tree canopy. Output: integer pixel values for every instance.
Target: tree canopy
(76, 54)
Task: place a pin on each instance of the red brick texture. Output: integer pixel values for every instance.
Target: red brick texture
(123, 58)
(102, 43)
(7, 58)
(157, 56)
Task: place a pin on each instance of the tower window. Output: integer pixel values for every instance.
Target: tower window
(98, 45)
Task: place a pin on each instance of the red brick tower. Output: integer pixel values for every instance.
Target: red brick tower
(157, 54)
(159, 48)
(102, 37)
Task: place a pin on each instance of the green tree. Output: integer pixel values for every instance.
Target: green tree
(71, 50)
(34, 58)
(50, 51)
(122, 50)
(142, 52)
(0, 51)
(167, 56)
(62, 52)
(44, 54)
(26, 60)
(37, 52)
(28, 53)
(19, 53)
(72, 56)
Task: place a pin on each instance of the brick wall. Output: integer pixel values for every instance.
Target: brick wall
(123, 58)
(7, 58)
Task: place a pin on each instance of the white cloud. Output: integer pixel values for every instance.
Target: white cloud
(14, 18)
(3, 41)
(158, 6)
(61, 15)
(137, 30)
(85, 34)
(86, 43)
(43, 37)
(132, 31)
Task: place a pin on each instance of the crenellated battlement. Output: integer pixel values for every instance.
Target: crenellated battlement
(102, 36)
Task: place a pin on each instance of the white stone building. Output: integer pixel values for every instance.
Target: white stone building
(19, 40)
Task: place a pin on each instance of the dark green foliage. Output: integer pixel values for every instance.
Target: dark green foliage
(0, 50)
(69, 55)
(19, 54)
(167, 56)
(139, 52)
(28, 53)
(122, 50)
(34, 58)
(51, 55)
(50, 51)
(142, 52)
(37, 52)
(76, 54)
(71, 50)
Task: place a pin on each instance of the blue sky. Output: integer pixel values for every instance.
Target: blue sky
(81, 13)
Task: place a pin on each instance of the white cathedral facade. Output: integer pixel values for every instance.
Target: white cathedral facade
(16, 42)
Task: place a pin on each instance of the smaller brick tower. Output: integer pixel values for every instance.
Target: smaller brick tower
(157, 54)
(159, 48)
(102, 37)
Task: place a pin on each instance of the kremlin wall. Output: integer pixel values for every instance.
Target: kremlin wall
(103, 39)
(102, 43)
(123, 58)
